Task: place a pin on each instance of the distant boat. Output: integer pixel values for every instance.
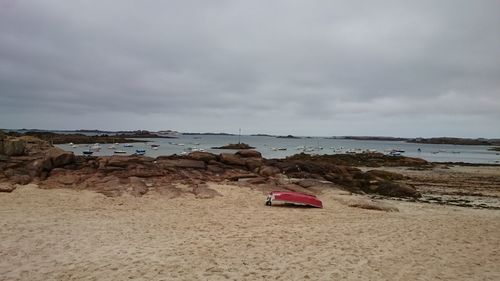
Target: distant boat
(395, 153)
(120, 151)
(87, 153)
(155, 145)
(140, 151)
(112, 146)
(95, 147)
(128, 145)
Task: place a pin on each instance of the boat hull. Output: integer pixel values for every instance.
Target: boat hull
(293, 198)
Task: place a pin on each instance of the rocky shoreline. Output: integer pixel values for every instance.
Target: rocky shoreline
(26, 160)
(78, 138)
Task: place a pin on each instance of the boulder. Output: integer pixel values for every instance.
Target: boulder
(253, 163)
(37, 166)
(269, 171)
(21, 179)
(249, 153)
(13, 147)
(232, 159)
(202, 156)
(59, 157)
(6, 187)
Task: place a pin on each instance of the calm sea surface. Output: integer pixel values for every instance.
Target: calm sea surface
(314, 145)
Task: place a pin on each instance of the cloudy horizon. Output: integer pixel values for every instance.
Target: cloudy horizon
(322, 68)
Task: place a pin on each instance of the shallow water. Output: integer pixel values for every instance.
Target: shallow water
(268, 145)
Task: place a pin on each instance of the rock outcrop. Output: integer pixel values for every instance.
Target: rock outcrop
(234, 146)
(13, 147)
(32, 160)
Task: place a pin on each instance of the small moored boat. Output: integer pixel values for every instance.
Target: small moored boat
(293, 198)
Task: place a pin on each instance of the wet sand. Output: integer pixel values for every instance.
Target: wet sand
(63, 234)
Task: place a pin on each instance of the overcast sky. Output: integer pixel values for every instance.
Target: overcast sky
(399, 68)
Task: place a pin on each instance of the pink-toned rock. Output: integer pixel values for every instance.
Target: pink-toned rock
(37, 166)
(109, 186)
(253, 163)
(268, 171)
(202, 156)
(249, 153)
(120, 161)
(145, 172)
(232, 159)
(21, 179)
(6, 187)
(216, 169)
(181, 163)
(235, 176)
(59, 157)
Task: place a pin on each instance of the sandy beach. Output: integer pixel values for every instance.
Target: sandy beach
(63, 234)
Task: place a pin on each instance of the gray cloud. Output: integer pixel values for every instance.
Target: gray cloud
(423, 68)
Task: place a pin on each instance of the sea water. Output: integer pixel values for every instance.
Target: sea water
(269, 146)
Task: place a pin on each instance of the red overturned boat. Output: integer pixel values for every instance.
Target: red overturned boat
(293, 198)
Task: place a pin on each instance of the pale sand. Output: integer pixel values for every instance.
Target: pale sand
(70, 235)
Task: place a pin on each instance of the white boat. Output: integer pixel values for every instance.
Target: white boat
(95, 147)
(394, 153)
(128, 145)
(120, 151)
(112, 146)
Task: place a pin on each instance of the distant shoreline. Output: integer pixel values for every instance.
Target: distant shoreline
(174, 134)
